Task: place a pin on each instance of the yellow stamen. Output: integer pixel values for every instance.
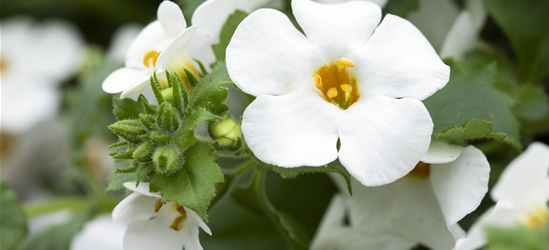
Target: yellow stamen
(318, 80)
(150, 58)
(539, 217)
(177, 223)
(346, 87)
(181, 210)
(345, 62)
(325, 166)
(332, 92)
(157, 205)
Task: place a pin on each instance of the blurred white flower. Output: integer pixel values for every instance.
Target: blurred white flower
(521, 196)
(99, 233)
(122, 40)
(35, 59)
(343, 80)
(153, 224)
(423, 207)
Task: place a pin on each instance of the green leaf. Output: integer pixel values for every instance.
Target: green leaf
(151, 110)
(13, 223)
(471, 94)
(253, 197)
(192, 79)
(194, 184)
(130, 130)
(518, 238)
(59, 237)
(127, 108)
(143, 169)
(472, 129)
(227, 33)
(533, 103)
(192, 120)
(400, 7)
(525, 24)
(210, 93)
(117, 179)
(119, 144)
(167, 118)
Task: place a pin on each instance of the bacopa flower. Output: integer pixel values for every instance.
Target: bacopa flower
(423, 207)
(154, 224)
(159, 47)
(345, 80)
(521, 196)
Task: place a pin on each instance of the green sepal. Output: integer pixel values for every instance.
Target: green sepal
(125, 170)
(148, 121)
(148, 108)
(203, 71)
(126, 155)
(180, 95)
(168, 95)
(194, 184)
(119, 144)
(130, 130)
(159, 138)
(143, 169)
(144, 152)
(192, 120)
(127, 108)
(167, 159)
(157, 88)
(210, 92)
(167, 118)
(192, 79)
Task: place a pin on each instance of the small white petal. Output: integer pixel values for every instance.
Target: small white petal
(175, 54)
(134, 207)
(382, 139)
(308, 125)
(398, 61)
(441, 152)
(153, 234)
(152, 37)
(380, 3)
(267, 55)
(460, 185)
(525, 179)
(189, 236)
(143, 188)
(435, 18)
(121, 41)
(196, 220)
(138, 86)
(122, 79)
(338, 29)
(465, 31)
(171, 18)
(100, 233)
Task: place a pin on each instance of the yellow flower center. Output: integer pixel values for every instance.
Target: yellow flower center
(421, 171)
(181, 214)
(337, 84)
(150, 58)
(538, 217)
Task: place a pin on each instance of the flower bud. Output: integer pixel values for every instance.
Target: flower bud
(167, 159)
(227, 132)
(168, 95)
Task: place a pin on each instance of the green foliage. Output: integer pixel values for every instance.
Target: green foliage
(167, 118)
(471, 94)
(116, 179)
(400, 7)
(13, 223)
(126, 108)
(167, 159)
(194, 184)
(227, 33)
(518, 238)
(210, 93)
(533, 103)
(129, 130)
(525, 24)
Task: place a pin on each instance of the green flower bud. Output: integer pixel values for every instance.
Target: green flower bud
(129, 130)
(167, 159)
(167, 118)
(144, 152)
(168, 95)
(227, 132)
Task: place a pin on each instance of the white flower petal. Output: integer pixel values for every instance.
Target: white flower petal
(196, 220)
(434, 18)
(200, 48)
(134, 207)
(176, 53)
(121, 41)
(308, 123)
(138, 86)
(153, 234)
(152, 37)
(171, 18)
(525, 178)
(122, 79)
(382, 139)
(398, 61)
(461, 185)
(267, 55)
(441, 152)
(143, 188)
(338, 29)
(189, 236)
(381, 3)
(407, 208)
(100, 233)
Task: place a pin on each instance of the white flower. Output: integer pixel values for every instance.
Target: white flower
(423, 207)
(450, 31)
(99, 233)
(521, 193)
(35, 59)
(153, 224)
(159, 46)
(341, 81)
(121, 40)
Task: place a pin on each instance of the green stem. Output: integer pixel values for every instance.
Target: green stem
(42, 207)
(243, 168)
(229, 178)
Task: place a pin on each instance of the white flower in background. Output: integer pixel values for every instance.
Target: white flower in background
(341, 81)
(160, 46)
(153, 224)
(451, 32)
(423, 207)
(99, 233)
(35, 59)
(121, 40)
(521, 196)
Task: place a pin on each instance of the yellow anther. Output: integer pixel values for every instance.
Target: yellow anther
(539, 217)
(345, 62)
(181, 210)
(325, 166)
(346, 87)
(318, 80)
(332, 92)
(150, 58)
(157, 205)
(177, 223)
